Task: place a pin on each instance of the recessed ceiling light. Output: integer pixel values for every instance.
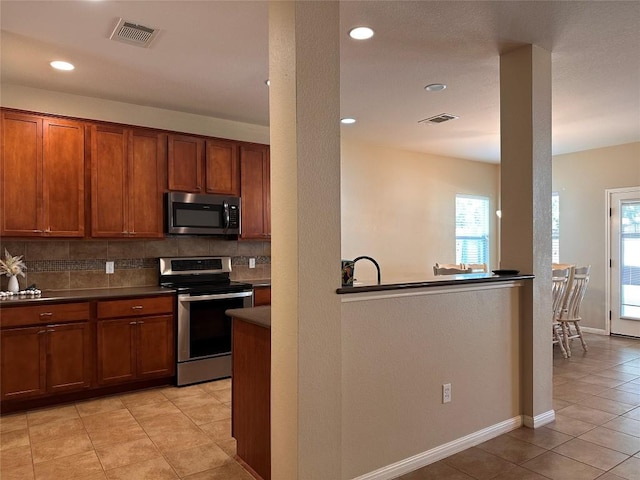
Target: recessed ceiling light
(60, 65)
(361, 33)
(347, 121)
(435, 87)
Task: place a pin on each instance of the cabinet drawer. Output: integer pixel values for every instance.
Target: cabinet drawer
(44, 314)
(134, 307)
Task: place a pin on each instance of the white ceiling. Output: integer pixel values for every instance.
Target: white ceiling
(211, 58)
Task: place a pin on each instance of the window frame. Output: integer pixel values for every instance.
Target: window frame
(484, 239)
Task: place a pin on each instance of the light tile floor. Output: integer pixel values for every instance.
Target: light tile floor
(185, 433)
(596, 433)
(163, 433)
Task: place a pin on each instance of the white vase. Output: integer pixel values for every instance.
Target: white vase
(14, 286)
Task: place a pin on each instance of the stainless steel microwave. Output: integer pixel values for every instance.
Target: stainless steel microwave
(197, 214)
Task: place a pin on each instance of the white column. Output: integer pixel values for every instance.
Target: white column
(304, 71)
(525, 125)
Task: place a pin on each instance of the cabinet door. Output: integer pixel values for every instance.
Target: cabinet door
(116, 351)
(109, 216)
(147, 169)
(23, 357)
(156, 346)
(261, 296)
(68, 357)
(63, 178)
(255, 192)
(21, 175)
(186, 160)
(222, 168)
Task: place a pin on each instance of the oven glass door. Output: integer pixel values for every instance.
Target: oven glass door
(203, 328)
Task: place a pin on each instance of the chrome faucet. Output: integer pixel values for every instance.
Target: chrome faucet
(364, 257)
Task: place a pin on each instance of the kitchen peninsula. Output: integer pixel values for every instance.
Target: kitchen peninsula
(471, 323)
(251, 388)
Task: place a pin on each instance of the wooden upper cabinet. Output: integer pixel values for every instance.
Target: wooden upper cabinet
(109, 152)
(203, 166)
(186, 163)
(255, 191)
(127, 182)
(147, 174)
(42, 176)
(222, 168)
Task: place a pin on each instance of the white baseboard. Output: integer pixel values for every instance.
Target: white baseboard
(597, 331)
(539, 420)
(431, 456)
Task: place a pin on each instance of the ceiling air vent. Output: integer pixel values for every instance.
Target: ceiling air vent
(129, 32)
(443, 117)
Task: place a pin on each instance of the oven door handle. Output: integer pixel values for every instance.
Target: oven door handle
(218, 296)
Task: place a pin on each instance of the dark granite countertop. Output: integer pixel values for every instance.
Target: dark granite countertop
(261, 282)
(51, 296)
(433, 281)
(257, 315)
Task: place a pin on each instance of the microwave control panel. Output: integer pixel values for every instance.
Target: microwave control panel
(234, 220)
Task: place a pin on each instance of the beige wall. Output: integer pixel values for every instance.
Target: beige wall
(581, 180)
(399, 208)
(397, 351)
(43, 101)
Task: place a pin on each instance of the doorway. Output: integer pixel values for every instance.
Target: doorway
(624, 254)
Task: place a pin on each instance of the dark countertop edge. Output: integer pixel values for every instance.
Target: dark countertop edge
(458, 280)
(51, 296)
(260, 316)
(262, 282)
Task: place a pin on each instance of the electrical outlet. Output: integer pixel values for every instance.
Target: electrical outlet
(446, 393)
(109, 267)
(252, 263)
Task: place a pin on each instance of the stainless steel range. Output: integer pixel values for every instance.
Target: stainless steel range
(205, 292)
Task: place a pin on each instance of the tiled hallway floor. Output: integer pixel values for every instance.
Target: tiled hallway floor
(165, 433)
(596, 433)
(185, 433)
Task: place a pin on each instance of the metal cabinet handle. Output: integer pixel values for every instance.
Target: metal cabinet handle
(50, 330)
(137, 307)
(140, 323)
(132, 323)
(41, 332)
(46, 314)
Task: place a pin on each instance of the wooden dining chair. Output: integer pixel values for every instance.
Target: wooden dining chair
(560, 282)
(450, 269)
(569, 317)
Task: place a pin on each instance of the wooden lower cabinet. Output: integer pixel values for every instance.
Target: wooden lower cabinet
(135, 339)
(134, 349)
(24, 358)
(251, 395)
(68, 357)
(52, 353)
(116, 351)
(261, 296)
(45, 359)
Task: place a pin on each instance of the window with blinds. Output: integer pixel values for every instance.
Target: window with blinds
(472, 229)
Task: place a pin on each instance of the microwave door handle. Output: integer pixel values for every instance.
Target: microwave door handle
(227, 217)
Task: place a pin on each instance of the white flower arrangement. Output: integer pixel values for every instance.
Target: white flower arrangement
(11, 265)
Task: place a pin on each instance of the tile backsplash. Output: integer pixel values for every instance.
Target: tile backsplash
(78, 264)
